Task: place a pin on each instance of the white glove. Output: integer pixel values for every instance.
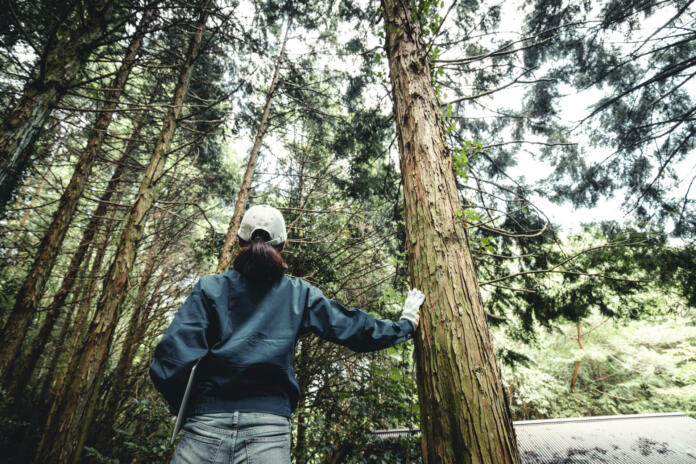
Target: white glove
(412, 306)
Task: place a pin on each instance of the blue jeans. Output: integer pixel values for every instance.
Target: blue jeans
(234, 438)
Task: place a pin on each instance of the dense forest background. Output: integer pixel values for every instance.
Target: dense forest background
(135, 132)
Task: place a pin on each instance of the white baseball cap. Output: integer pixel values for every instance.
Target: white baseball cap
(266, 218)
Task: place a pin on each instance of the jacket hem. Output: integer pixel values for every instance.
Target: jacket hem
(266, 404)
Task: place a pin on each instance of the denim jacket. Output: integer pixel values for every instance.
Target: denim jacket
(246, 341)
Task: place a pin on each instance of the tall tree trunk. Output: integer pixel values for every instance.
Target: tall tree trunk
(465, 417)
(59, 343)
(301, 438)
(20, 239)
(90, 231)
(70, 278)
(300, 446)
(80, 300)
(65, 55)
(75, 335)
(227, 252)
(66, 426)
(30, 294)
(128, 350)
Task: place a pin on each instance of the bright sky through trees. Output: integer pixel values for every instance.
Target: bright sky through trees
(403, 150)
(575, 106)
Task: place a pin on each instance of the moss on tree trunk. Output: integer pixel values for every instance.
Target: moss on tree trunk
(465, 417)
(16, 371)
(64, 57)
(71, 414)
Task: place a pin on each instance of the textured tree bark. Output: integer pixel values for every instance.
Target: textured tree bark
(70, 278)
(301, 438)
(63, 60)
(75, 335)
(59, 340)
(129, 347)
(63, 349)
(88, 236)
(69, 419)
(30, 294)
(227, 253)
(465, 417)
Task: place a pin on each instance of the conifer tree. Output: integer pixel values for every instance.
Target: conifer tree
(27, 300)
(72, 412)
(64, 47)
(642, 121)
(465, 417)
(226, 255)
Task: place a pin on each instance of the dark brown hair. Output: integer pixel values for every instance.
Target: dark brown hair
(260, 263)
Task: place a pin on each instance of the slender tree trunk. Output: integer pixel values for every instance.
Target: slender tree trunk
(86, 241)
(67, 424)
(25, 217)
(95, 221)
(576, 368)
(75, 336)
(130, 345)
(297, 220)
(75, 314)
(19, 238)
(302, 364)
(18, 135)
(227, 253)
(59, 342)
(26, 304)
(62, 62)
(465, 417)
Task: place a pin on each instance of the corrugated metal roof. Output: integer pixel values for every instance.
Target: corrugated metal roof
(634, 439)
(631, 439)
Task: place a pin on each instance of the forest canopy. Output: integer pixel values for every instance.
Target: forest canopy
(547, 193)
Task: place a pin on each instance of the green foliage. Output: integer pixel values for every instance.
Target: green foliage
(94, 455)
(427, 13)
(462, 155)
(145, 434)
(634, 55)
(328, 161)
(401, 450)
(608, 269)
(637, 367)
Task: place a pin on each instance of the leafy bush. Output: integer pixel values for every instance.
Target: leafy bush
(645, 366)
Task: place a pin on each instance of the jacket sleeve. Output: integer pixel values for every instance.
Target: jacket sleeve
(181, 346)
(351, 328)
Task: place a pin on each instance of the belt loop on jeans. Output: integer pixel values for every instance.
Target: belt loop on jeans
(235, 418)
